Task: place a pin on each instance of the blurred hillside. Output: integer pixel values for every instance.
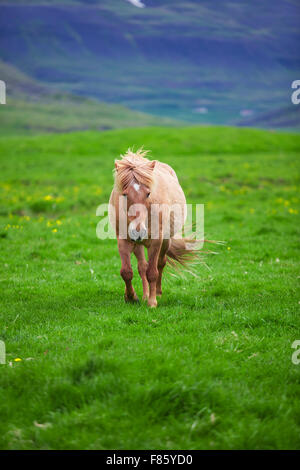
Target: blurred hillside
(35, 108)
(197, 60)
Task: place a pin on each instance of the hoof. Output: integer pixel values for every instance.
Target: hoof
(152, 304)
(131, 300)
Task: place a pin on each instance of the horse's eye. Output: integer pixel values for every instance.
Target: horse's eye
(148, 194)
(124, 195)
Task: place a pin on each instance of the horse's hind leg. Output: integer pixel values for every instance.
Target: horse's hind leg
(125, 248)
(162, 260)
(142, 268)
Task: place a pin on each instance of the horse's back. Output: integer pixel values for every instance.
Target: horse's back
(167, 188)
(165, 168)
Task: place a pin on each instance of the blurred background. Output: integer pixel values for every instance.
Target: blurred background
(102, 64)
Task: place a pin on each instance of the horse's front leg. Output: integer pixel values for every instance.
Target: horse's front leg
(152, 271)
(125, 249)
(142, 268)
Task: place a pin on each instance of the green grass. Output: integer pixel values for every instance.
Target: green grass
(211, 367)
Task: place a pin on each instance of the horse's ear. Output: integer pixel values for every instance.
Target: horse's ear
(152, 164)
(117, 164)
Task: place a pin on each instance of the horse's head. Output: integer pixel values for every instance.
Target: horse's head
(135, 182)
(137, 197)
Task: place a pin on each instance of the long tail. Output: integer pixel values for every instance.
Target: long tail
(186, 251)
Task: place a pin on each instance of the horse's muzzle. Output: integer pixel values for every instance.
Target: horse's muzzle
(136, 236)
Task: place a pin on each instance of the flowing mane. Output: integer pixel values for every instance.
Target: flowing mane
(133, 167)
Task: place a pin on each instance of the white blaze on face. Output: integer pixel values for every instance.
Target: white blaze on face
(136, 187)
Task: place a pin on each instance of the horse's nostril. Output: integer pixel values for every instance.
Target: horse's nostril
(137, 235)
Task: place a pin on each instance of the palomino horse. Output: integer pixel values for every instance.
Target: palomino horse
(148, 206)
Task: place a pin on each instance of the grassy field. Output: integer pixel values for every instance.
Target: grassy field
(211, 366)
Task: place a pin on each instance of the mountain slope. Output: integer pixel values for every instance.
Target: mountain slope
(170, 58)
(283, 118)
(34, 108)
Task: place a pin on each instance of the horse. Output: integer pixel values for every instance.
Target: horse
(147, 209)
